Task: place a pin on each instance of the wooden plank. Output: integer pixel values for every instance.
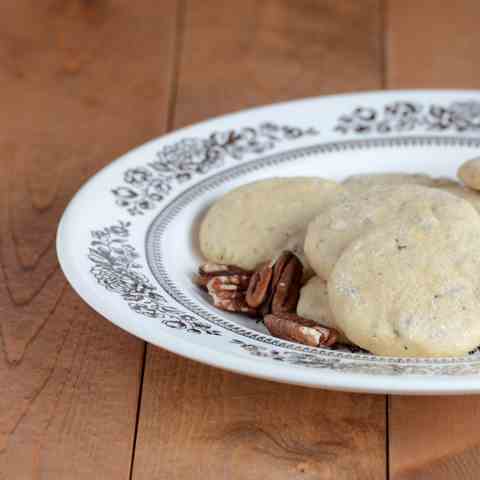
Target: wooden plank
(75, 93)
(263, 52)
(433, 44)
(434, 438)
(199, 422)
(68, 408)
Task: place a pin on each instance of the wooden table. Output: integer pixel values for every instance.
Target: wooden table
(82, 81)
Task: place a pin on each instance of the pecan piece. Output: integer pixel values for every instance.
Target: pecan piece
(258, 288)
(229, 294)
(279, 265)
(289, 326)
(236, 305)
(286, 283)
(215, 269)
(228, 282)
(207, 271)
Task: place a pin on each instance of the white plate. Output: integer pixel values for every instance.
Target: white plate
(126, 241)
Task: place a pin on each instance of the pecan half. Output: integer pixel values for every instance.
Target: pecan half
(286, 283)
(275, 287)
(258, 288)
(289, 326)
(228, 296)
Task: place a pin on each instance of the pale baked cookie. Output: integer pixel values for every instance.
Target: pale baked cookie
(411, 286)
(455, 188)
(356, 183)
(355, 215)
(364, 181)
(469, 173)
(250, 224)
(313, 304)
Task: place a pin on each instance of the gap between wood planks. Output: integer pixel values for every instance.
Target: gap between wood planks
(173, 92)
(75, 93)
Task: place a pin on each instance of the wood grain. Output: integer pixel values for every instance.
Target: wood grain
(75, 92)
(199, 422)
(434, 438)
(433, 44)
(270, 51)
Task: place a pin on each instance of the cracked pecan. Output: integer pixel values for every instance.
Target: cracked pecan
(289, 326)
(228, 295)
(237, 276)
(227, 285)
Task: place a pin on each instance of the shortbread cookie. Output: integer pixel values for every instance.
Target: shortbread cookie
(469, 173)
(250, 224)
(355, 215)
(357, 183)
(313, 304)
(453, 187)
(364, 181)
(410, 287)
